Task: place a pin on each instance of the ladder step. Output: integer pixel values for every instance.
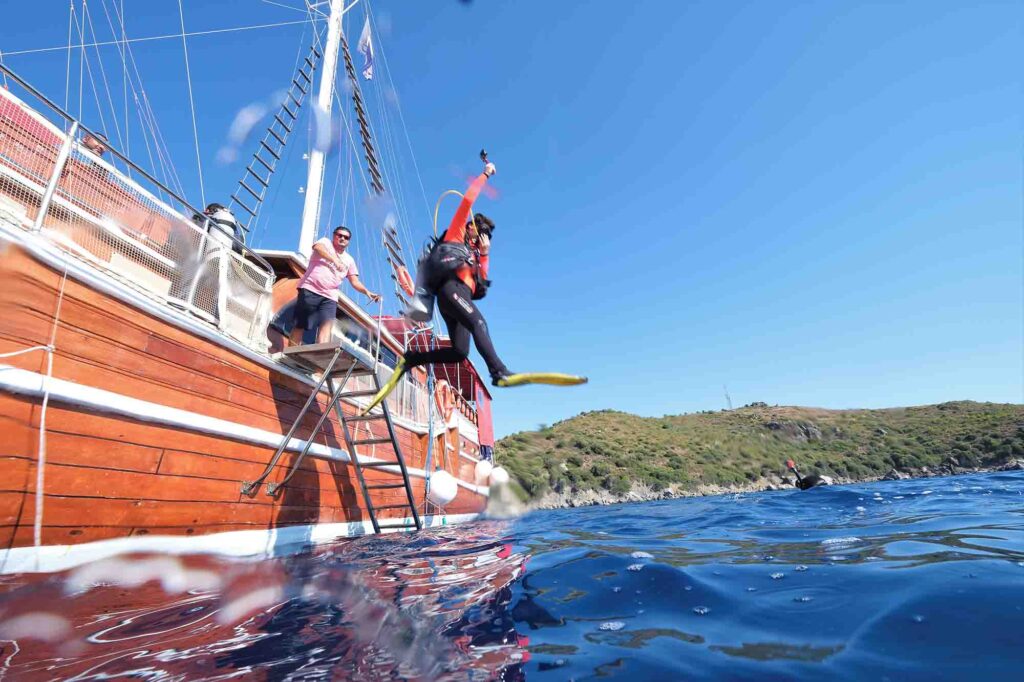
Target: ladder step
(359, 394)
(377, 465)
(371, 441)
(365, 417)
(264, 145)
(276, 136)
(250, 190)
(296, 102)
(377, 508)
(312, 66)
(299, 86)
(240, 203)
(259, 178)
(263, 163)
(283, 124)
(304, 76)
(386, 486)
(395, 525)
(291, 114)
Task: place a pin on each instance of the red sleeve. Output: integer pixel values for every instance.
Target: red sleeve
(456, 231)
(485, 265)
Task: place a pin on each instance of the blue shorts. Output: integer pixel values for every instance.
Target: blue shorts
(312, 310)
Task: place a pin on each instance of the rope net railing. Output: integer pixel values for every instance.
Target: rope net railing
(62, 186)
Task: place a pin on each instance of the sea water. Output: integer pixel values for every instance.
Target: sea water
(904, 580)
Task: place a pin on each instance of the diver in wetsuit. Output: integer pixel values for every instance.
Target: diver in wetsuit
(809, 481)
(466, 282)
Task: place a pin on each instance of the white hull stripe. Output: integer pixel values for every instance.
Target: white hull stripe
(22, 382)
(255, 544)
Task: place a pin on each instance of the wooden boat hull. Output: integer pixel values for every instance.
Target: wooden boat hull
(152, 424)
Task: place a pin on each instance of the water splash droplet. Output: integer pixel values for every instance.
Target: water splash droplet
(635, 567)
(778, 576)
(612, 626)
(701, 610)
(641, 555)
(801, 568)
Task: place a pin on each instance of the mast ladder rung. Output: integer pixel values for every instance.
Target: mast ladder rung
(259, 178)
(292, 115)
(266, 165)
(276, 136)
(296, 102)
(244, 207)
(250, 190)
(299, 85)
(385, 486)
(266, 146)
(281, 121)
(390, 506)
(378, 465)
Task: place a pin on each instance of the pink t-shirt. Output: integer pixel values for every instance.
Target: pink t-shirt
(323, 277)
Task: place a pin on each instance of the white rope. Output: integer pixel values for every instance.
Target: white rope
(67, 77)
(168, 36)
(192, 105)
(41, 465)
(23, 351)
(106, 87)
(145, 110)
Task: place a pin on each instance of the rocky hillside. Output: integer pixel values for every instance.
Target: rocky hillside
(608, 456)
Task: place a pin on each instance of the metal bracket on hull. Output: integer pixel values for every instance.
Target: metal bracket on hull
(336, 368)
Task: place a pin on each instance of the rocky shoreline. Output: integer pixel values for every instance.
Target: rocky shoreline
(642, 493)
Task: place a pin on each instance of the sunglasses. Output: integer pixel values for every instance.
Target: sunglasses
(343, 236)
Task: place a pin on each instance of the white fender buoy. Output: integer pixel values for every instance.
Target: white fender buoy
(443, 488)
(499, 476)
(483, 472)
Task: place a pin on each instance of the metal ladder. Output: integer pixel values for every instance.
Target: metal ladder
(332, 360)
(256, 178)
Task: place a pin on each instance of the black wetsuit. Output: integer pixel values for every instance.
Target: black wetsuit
(463, 319)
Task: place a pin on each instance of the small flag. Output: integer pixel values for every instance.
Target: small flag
(366, 49)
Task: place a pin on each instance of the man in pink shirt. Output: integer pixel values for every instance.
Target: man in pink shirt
(317, 302)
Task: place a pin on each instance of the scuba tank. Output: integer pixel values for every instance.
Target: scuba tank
(439, 261)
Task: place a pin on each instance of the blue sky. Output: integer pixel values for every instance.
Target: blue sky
(809, 203)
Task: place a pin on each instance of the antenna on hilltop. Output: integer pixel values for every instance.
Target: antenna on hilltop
(728, 400)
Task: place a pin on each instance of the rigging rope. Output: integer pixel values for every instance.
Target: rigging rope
(168, 36)
(106, 86)
(192, 105)
(67, 78)
(37, 530)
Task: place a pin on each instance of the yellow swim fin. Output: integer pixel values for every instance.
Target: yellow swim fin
(389, 386)
(549, 378)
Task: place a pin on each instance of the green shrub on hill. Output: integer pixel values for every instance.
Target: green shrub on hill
(609, 450)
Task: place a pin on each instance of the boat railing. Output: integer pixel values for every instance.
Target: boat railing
(125, 223)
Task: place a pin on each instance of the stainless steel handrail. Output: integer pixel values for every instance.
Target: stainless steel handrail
(249, 253)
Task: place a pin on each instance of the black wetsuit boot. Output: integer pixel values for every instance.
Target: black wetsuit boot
(463, 319)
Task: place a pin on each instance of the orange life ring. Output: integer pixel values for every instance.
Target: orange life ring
(404, 280)
(444, 396)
